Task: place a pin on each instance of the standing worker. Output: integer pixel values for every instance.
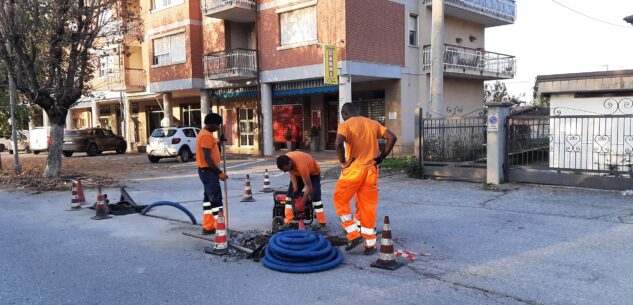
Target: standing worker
(304, 172)
(357, 151)
(208, 161)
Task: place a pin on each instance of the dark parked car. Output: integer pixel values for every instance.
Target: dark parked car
(92, 141)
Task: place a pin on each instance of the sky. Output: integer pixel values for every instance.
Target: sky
(547, 38)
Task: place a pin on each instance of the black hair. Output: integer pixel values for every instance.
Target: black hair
(213, 118)
(349, 108)
(282, 160)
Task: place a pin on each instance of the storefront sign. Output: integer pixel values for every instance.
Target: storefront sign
(330, 64)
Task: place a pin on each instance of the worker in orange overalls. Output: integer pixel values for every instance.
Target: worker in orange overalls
(208, 161)
(357, 151)
(304, 172)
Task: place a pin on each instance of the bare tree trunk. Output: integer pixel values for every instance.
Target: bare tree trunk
(54, 160)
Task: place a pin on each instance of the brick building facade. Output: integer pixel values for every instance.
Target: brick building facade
(260, 64)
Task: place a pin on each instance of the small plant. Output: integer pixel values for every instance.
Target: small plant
(488, 186)
(408, 164)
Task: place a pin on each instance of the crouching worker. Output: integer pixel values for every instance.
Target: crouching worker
(208, 161)
(304, 172)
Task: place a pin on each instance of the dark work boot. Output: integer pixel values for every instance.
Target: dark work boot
(370, 251)
(208, 232)
(354, 243)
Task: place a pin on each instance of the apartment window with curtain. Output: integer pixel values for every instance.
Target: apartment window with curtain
(170, 49)
(106, 65)
(160, 4)
(298, 26)
(413, 30)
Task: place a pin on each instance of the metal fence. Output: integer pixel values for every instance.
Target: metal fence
(209, 6)
(501, 8)
(229, 64)
(580, 144)
(457, 139)
(472, 60)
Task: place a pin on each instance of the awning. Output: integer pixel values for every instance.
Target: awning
(305, 91)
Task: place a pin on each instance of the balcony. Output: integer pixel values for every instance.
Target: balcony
(234, 65)
(128, 80)
(232, 10)
(472, 63)
(125, 30)
(487, 12)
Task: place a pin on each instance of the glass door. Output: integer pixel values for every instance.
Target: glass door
(246, 125)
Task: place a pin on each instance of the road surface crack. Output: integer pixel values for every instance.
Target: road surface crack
(484, 291)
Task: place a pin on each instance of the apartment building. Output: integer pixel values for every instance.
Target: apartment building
(260, 64)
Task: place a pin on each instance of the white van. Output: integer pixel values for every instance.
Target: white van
(39, 139)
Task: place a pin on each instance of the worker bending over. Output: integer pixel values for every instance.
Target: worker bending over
(357, 151)
(208, 161)
(304, 172)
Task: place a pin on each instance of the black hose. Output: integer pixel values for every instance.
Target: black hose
(171, 204)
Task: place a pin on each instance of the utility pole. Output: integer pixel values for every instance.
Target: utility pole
(437, 59)
(14, 132)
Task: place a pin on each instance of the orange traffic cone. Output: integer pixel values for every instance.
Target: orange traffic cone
(101, 208)
(248, 195)
(387, 258)
(267, 188)
(80, 192)
(75, 204)
(221, 246)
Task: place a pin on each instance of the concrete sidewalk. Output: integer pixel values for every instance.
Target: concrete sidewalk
(523, 245)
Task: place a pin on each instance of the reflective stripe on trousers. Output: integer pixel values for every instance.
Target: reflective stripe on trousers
(360, 183)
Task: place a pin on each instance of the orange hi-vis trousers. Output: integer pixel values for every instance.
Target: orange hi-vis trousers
(360, 183)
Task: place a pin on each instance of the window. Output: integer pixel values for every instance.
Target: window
(104, 110)
(413, 30)
(298, 26)
(191, 115)
(106, 65)
(161, 4)
(108, 133)
(169, 49)
(246, 126)
(163, 133)
(189, 133)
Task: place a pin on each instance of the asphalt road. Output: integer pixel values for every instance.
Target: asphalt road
(527, 245)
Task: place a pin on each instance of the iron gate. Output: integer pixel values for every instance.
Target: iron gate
(593, 150)
(454, 147)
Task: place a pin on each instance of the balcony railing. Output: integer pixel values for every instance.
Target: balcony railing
(473, 62)
(125, 30)
(237, 64)
(505, 9)
(232, 10)
(128, 80)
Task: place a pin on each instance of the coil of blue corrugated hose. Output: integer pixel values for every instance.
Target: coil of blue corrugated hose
(300, 251)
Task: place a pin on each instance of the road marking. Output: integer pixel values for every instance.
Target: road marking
(163, 178)
(191, 176)
(184, 164)
(247, 163)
